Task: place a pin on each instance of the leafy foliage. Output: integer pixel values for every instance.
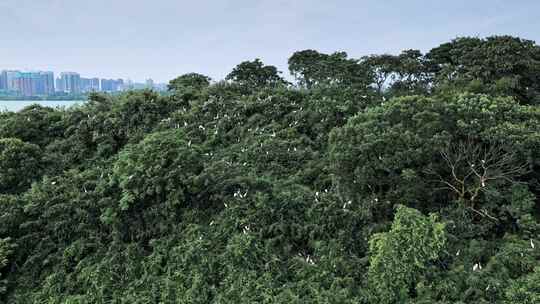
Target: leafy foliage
(408, 178)
(255, 74)
(20, 164)
(400, 257)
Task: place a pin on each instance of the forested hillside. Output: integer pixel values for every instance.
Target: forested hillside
(409, 178)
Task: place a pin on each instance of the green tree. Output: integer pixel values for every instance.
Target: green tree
(251, 190)
(6, 249)
(501, 64)
(189, 81)
(396, 151)
(311, 68)
(20, 165)
(399, 258)
(384, 69)
(156, 178)
(255, 74)
(34, 124)
(525, 290)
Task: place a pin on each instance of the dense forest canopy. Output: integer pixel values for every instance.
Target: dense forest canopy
(408, 178)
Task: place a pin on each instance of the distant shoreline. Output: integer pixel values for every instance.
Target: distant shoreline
(49, 98)
(17, 105)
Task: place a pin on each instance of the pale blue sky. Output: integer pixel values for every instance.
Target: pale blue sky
(164, 38)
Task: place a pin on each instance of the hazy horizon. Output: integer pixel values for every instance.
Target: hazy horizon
(163, 39)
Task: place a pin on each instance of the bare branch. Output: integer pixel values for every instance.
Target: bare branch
(472, 166)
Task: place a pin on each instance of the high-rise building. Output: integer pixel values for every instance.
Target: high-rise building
(111, 85)
(3, 80)
(60, 87)
(32, 83)
(69, 82)
(89, 85)
(94, 83)
(26, 83)
(106, 85)
(10, 77)
(47, 83)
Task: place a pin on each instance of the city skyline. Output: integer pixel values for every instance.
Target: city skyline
(166, 38)
(47, 83)
(83, 75)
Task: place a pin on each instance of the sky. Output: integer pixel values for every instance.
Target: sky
(162, 39)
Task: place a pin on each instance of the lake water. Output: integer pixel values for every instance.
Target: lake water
(17, 105)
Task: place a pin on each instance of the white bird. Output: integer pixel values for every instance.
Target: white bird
(532, 244)
(53, 183)
(189, 143)
(475, 267)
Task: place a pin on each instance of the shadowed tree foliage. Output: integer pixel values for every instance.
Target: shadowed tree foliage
(189, 81)
(255, 74)
(525, 290)
(311, 68)
(20, 165)
(406, 178)
(6, 249)
(504, 64)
